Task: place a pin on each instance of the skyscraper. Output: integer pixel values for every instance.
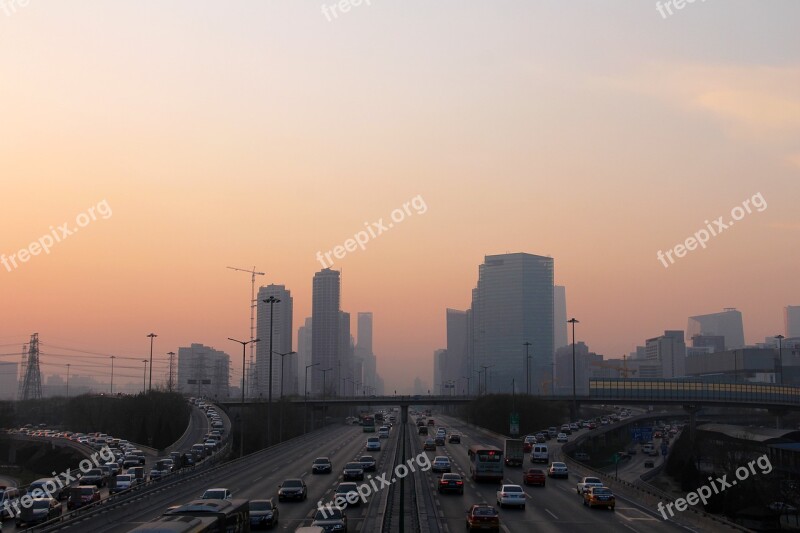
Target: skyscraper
(344, 370)
(365, 355)
(560, 316)
(304, 354)
(203, 371)
(325, 332)
(281, 342)
(665, 356)
(791, 321)
(513, 304)
(727, 323)
(456, 362)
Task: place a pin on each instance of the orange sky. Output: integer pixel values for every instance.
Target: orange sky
(259, 135)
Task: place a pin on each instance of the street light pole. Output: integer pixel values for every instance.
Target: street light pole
(241, 414)
(305, 395)
(271, 301)
(111, 392)
(485, 373)
(280, 431)
(780, 353)
(573, 321)
(527, 368)
(324, 402)
(152, 336)
(144, 376)
(67, 380)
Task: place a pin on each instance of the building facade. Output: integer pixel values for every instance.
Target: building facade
(281, 343)
(203, 371)
(326, 297)
(727, 324)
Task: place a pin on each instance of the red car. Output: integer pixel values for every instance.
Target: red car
(483, 517)
(534, 476)
(527, 445)
(81, 495)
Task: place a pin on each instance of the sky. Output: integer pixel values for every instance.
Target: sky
(183, 137)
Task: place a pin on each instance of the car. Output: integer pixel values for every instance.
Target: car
(511, 495)
(423, 430)
(330, 519)
(122, 482)
(441, 463)
(574, 426)
(347, 494)
(321, 465)
(217, 494)
(649, 463)
(431, 422)
(46, 487)
(430, 445)
(534, 476)
(353, 470)
(368, 463)
(562, 437)
(566, 430)
(586, 483)
(541, 438)
(383, 432)
(156, 474)
(137, 472)
(439, 440)
(592, 425)
(451, 483)
(373, 444)
(37, 511)
(552, 431)
(528, 443)
(540, 454)
(94, 476)
(81, 495)
(455, 438)
(558, 469)
(599, 497)
(441, 430)
(292, 489)
(782, 507)
(483, 517)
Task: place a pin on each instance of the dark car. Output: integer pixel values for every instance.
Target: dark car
(263, 514)
(353, 471)
(40, 510)
(439, 440)
(347, 494)
(455, 438)
(367, 463)
(82, 495)
(321, 465)
(534, 476)
(431, 422)
(331, 520)
(423, 430)
(483, 517)
(94, 476)
(292, 489)
(451, 483)
(430, 445)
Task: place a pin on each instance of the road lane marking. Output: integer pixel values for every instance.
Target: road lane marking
(551, 514)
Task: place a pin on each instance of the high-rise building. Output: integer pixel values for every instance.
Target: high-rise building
(438, 371)
(728, 324)
(304, 354)
(791, 321)
(560, 316)
(364, 354)
(456, 362)
(344, 370)
(203, 371)
(281, 343)
(665, 356)
(513, 304)
(325, 333)
(715, 342)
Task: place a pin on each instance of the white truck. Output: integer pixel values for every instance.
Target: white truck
(514, 454)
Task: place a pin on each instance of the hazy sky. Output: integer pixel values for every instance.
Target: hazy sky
(260, 132)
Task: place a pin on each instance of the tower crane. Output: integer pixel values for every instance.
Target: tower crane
(253, 273)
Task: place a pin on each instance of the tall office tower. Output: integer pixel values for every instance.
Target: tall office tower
(281, 342)
(304, 355)
(728, 323)
(203, 371)
(665, 356)
(513, 304)
(344, 370)
(791, 321)
(369, 373)
(456, 364)
(560, 316)
(325, 333)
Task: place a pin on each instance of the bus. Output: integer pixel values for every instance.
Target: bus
(231, 516)
(180, 524)
(368, 424)
(485, 463)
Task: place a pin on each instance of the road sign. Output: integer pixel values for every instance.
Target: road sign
(514, 423)
(642, 434)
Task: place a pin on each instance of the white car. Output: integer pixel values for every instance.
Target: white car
(558, 469)
(585, 483)
(562, 437)
(441, 463)
(383, 432)
(511, 495)
(374, 444)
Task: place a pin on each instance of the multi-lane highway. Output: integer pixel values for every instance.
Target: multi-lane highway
(555, 507)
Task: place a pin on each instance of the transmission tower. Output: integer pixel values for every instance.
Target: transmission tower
(32, 380)
(23, 367)
(171, 382)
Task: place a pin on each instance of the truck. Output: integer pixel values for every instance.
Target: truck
(514, 454)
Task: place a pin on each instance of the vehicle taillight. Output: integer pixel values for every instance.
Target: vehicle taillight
(459, 482)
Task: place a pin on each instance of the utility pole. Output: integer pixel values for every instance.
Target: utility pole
(253, 304)
(111, 392)
(171, 382)
(144, 377)
(152, 336)
(527, 368)
(67, 380)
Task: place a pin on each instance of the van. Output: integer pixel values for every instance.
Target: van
(552, 431)
(540, 454)
(648, 448)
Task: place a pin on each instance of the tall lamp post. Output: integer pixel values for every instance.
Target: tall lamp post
(527, 344)
(305, 395)
(280, 431)
(144, 376)
(485, 373)
(573, 321)
(152, 336)
(780, 353)
(111, 392)
(241, 436)
(67, 380)
(468, 378)
(271, 301)
(324, 402)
